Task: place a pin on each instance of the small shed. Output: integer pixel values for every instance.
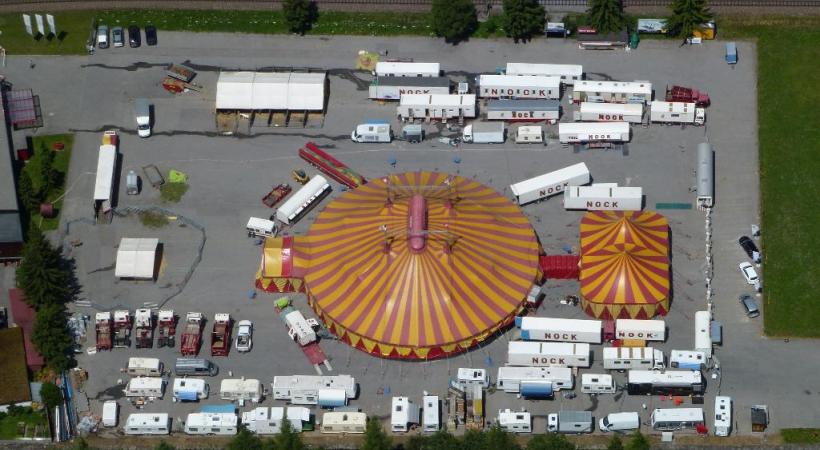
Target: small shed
(137, 258)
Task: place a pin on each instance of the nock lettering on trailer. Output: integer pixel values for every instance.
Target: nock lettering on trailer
(553, 189)
(561, 336)
(404, 91)
(611, 117)
(547, 360)
(596, 204)
(637, 335)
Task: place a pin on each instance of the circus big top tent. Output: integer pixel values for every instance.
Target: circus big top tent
(416, 265)
(624, 264)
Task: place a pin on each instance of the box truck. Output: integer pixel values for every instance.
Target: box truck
(372, 131)
(604, 198)
(524, 110)
(676, 112)
(570, 422)
(514, 421)
(550, 183)
(597, 383)
(671, 419)
(543, 354)
(646, 330)
(511, 86)
(623, 358)
(609, 112)
(534, 381)
(593, 132)
(622, 421)
(484, 133)
(561, 330)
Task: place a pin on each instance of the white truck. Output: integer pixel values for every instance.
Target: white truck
(543, 354)
(623, 358)
(561, 330)
(484, 133)
(604, 197)
(570, 422)
(550, 183)
(609, 112)
(142, 112)
(645, 330)
(372, 131)
(672, 113)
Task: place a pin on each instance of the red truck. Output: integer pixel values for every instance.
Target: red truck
(166, 328)
(144, 328)
(122, 329)
(221, 335)
(191, 334)
(276, 195)
(687, 95)
(331, 166)
(103, 330)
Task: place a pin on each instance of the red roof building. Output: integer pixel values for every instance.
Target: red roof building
(23, 315)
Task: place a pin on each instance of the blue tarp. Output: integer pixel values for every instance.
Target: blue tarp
(228, 409)
(536, 389)
(187, 396)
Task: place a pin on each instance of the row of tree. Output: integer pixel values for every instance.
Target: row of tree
(457, 20)
(32, 195)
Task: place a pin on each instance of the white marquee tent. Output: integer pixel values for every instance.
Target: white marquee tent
(136, 258)
(294, 91)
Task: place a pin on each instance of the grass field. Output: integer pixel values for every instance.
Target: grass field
(801, 435)
(788, 55)
(11, 426)
(61, 162)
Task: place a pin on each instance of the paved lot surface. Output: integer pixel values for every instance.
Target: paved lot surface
(228, 176)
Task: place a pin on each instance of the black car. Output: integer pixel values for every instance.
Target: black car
(150, 35)
(134, 38)
(750, 248)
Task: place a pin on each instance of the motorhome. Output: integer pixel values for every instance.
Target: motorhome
(190, 389)
(723, 415)
(597, 383)
(623, 358)
(372, 131)
(221, 424)
(142, 424)
(241, 390)
(672, 419)
(670, 382)
(404, 414)
(145, 387)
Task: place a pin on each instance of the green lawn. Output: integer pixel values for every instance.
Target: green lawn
(61, 162)
(801, 435)
(74, 27)
(10, 424)
(788, 55)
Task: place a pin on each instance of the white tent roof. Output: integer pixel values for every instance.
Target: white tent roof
(277, 91)
(135, 258)
(306, 91)
(234, 90)
(270, 90)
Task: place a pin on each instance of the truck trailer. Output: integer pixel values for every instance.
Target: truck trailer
(524, 110)
(561, 330)
(484, 133)
(543, 354)
(303, 200)
(568, 73)
(331, 166)
(511, 86)
(672, 113)
(645, 330)
(612, 91)
(436, 107)
(550, 183)
(609, 112)
(593, 132)
(406, 69)
(604, 198)
(392, 88)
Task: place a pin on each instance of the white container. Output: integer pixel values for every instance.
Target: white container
(671, 419)
(529, 135)
(687, 359)
(144, 367)
(304, 389)
(523, 110)
(622, 421)
(514, 421)
(146, 424)
(582, 132)
(610, 112)
(723, 416)
(543, 354)
(604, 198)
(407, 69)
(392, 88)
(240, 389)
(561, 330)
(301, 201)
(437, 107)
(568, 73)
(612, 91)
(550, 183)
(220, 424)
(145, 387)
(484, 133)
(510, 378)
(404, 413)
(110, 413)
(473, 377)
(645, 330)
(703, 337)
(431, 420)
(372, 132)
(597, 383)
(344, 422)
(190, 389)
(623, 358)
(676, 112)
(511, 86)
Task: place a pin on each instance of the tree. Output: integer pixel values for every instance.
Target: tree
(637, 441)
(523, 18)
(164, 446)
(42, 273)
(80, 444)
(300, 15)
(48, 174)
(375, 437)
(454, 20)
(498, 439)
(615, 443)
(686, 15)
(550, 441)
(606, 16)
(288, 438)
(441, 440)
(245, 440)
(51, 336)
(29, 196)
(51, 395)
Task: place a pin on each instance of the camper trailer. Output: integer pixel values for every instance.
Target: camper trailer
(623, 358)
(221, 424)
(431, 420)
(268, 420)
(612, 91)
(190, 389)
(515, 421)
(703, 337)
(344, 422)
(723, 415)
(325, 391)
(145, 387)
(534, 381)
(597, 383)
(472, 377)
(241, 390)
(404, 413)
(142, 424)
(144, 367)
(687, 359)
(529, 135)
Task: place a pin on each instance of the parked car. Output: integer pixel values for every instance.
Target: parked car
(150, 35)
(750, 274)
(117, 36)
(102, 36)
(244, 336)
(750, 248)
(750, 305)
(134, 37)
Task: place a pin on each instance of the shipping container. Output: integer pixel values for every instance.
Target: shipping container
(670, 382)
(514, 421)
(407, 69)
(527, 380)
(609, 112)
(568, 73)
(603, 198)
(511, 86)
(612, 91)
(562, 330)
(305, 198)
(404, 413)
(672, 419)
(687, 359)
(703, 340)
(542, 354)
(344, 422)
(147, 424)
(583, 132)
(676, 112)
(392, 88)
(221, 424)
(723, 415)
(436, 107)
(647, 330)
(622, 358)
(524, 110)
(313, 389)
(706, 176)
(597, 383)
(550, 183)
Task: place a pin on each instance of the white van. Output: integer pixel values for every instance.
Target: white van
(529, 135)
(109, 413)
(621, 421)
(241, 390)
(142, 112)
(190, 389)
(145, 387)
(144, 367)
(139, 424)
(378, 132)
(260, 227)
(596, 383)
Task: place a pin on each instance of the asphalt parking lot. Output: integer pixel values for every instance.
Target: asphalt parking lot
(229, 175)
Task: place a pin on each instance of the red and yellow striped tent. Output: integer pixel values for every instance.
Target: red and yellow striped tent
(466, 276)
(280, 269)
(647, 229)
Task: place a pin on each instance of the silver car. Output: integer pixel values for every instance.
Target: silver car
(118, 36)
(102, 36)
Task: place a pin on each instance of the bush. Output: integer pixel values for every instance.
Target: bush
(454, 20)
(300, 15)
(51, 395)
(172, 192)
(153, 219)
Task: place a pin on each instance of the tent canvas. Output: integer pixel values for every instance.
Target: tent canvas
(234, 90)
(306, 91)
(270, 91)
(136, 258)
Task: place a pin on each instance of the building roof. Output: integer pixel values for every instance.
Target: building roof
(136, 258)
(23, 315)
(10, 228)
(24, 108)
(13, 373)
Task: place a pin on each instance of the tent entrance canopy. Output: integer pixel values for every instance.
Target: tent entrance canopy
(278, 91)
(136, 258)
